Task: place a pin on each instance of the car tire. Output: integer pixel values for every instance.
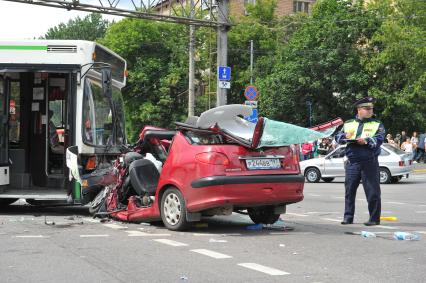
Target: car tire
(327, 180)
(173, 210)
(312, 175)
(7, 201)
(263, 215)
(384, 175)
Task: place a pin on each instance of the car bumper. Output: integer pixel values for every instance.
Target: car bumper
(244, 191)
(399, 171)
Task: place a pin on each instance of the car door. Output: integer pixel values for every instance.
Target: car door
(333, 163)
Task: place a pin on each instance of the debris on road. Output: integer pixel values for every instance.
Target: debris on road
(405, 236)
(388, 218)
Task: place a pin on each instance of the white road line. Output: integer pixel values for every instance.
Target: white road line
(297, 214)
(212, 254)
(339, 197)
(423, 211)
(31, 236)
(144, 234)
(332, 219)
(421, 232)
(314, 195)
(386, 227)
(171, 243)
(262, 268)
(94, 236)
(204, 234)
(115, 226)
(393, 202)
(322, 212)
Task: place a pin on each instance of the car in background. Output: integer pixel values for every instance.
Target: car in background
(393, 165)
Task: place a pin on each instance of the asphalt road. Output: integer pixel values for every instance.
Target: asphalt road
(315, 247)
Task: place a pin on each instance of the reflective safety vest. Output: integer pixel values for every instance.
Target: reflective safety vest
(369, 129)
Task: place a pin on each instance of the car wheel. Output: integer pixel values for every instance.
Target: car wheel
(385, 176)
(173, 210)
(312, 175)
(263, 215)
(327, 180)
(7, 201)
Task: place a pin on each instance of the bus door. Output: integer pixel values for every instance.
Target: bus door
(4, 117)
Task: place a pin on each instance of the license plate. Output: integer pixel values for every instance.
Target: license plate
(263, 164)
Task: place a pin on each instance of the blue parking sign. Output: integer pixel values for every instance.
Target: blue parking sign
(224, 73)
(254, 117)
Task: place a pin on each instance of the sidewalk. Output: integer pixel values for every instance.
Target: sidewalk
(419, 168)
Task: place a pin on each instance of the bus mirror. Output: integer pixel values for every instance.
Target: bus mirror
(106, 82)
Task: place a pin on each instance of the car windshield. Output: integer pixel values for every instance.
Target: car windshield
(393, 149)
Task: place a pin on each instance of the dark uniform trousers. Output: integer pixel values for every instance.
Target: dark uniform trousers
(368, 171)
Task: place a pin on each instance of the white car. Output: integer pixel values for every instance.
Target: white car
(394, 164)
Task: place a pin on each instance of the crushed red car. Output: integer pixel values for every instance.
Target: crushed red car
(214, 164)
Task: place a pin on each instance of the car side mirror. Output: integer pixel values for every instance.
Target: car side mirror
(106, 82)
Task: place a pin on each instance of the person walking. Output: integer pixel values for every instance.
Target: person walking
(421, 149)
(407, 146)
(363, 136)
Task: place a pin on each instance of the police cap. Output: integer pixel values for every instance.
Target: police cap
(367, 101)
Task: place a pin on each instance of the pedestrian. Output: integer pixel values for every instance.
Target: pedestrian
(421, 149)
(388, 139)
(363, 136)
(407, 146)
(414, 141)
(403, 137)
(306, 150)
(323, 147)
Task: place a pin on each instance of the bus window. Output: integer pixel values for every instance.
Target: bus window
(14, 113)
(97, 115)
(119, 111)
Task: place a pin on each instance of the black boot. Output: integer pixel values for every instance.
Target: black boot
(347, 221)
(371, 223)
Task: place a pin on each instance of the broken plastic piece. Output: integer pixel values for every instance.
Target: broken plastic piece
(404, 236)
(388, 218)
(367, 234)
(255, 227)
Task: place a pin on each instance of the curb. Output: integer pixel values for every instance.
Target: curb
(419, 171)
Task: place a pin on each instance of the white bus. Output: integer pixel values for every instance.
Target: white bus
(54, 95)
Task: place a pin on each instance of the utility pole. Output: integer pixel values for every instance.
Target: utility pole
(251, 62)
(222, 47)
(191, 88)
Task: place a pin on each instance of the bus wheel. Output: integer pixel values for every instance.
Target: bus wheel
(7, 201)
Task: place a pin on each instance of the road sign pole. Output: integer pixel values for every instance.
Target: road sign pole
(222, 48)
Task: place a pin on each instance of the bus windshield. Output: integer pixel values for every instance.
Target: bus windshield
(100, 128)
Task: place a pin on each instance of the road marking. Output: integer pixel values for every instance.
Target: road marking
(115, 226)
(211, 253)
(292, 233)
(423, 211)
(322, 212)
(393, 202)
(262, 268)
(144, 234)
(314, 195)
(204, 234)
(296, 214)
(421, 232)
(339, 197)
(94, 236)
(31, 236)
(332, 219)
(386, 227)
(171, 243)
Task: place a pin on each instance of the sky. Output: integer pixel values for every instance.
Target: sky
(24, 21)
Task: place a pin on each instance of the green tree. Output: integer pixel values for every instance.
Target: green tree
(91, 27)
(322, 63)
(398, 64)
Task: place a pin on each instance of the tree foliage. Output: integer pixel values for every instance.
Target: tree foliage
(91, 27)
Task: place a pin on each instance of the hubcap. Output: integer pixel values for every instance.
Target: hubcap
(312, 175)
(383, 176)
(172, 209)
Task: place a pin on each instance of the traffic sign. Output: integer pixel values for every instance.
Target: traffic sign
(252, 104)
(253, 118)
(224, 84)
(224, 73)
(251, 93)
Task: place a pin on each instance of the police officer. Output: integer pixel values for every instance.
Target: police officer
(363, 136)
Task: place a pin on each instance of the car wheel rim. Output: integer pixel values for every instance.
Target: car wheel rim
(172, 209)
(383, 176)
(312, 175)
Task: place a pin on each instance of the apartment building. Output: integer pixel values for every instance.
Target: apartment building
(238, 8)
